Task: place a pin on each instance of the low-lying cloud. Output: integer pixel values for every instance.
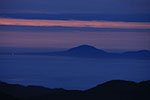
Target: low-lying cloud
(74, 23)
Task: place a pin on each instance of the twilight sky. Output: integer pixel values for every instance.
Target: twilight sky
(76, 6)
(106, 24)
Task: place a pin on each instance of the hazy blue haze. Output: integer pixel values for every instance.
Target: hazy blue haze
(70, 73)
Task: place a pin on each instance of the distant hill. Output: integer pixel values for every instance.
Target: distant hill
(142, 54)
(111, 90)
(83, 51)
(92, 52)
(88, 51)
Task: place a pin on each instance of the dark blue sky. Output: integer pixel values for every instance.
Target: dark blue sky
(76, 6)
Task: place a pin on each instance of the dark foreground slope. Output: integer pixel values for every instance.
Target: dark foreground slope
(112, 90)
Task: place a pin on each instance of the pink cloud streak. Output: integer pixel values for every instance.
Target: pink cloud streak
(74, 23)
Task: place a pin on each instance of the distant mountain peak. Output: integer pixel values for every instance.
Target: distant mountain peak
(144, 51)
(85, 45)
(85, 48)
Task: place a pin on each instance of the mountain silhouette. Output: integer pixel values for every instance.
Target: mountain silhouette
(88, 51)
(84, 51)
(142, 54)
(111, 90)
(92, 52)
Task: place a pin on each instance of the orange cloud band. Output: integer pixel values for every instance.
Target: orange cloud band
(74, 23)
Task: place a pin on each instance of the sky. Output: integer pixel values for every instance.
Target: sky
(106, 24)
(76, 6)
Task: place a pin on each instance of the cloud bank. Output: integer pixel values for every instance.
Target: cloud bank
(74, 23)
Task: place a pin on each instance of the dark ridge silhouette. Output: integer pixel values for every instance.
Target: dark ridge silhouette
(26, 92)
(142, 54)
(111, 90)
(88, 51)
(85, 48)
(84, 51)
